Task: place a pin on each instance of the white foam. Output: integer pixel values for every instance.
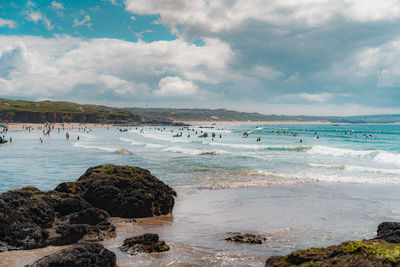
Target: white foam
(356, 168)
(135, 143)
(388, 158)
(154, 146)
(340, 152)
(131, 141)
(87, 146)
(245, 146)
(102, 148)
(194, 151)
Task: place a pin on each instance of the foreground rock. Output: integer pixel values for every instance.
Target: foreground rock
(86, 254)
(80, 211)
(375, 252)
(389, 231)
(30, 218)
(147, 243)
(246, 238)
(123, 191)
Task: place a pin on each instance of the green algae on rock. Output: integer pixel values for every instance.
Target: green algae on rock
(123, 191)
(352, 253)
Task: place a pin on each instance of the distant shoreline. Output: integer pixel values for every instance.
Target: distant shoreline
(70, 125)
(192, 123)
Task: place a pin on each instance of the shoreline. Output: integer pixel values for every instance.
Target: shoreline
(193, 123)
(70, 125)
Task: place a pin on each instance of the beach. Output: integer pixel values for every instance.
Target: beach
(313, 193)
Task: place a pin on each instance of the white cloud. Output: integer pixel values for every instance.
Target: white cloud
(7, 23)
(90, 69)
(37, 16)
(221, 15)
(321, 97)
(84, 21)
(57, 5)
(175, 86)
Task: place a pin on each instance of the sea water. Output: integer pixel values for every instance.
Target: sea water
(300, 186)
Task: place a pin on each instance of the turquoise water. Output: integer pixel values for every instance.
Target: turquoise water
(230, 161)
(317, 192)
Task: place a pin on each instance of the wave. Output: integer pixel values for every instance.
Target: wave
(355, 168)
(169, 138)
(195, 151)
(260, 147)
(340, 152)
(135, 143)
(121, 151)
(388, 158)
(130, 141)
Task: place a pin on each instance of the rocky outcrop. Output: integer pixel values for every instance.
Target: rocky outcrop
(389, 231)
(123, 191)
(85, 254)
(147, 243)
(246, 238)
(80, 211)
(374, 252)
(30, 218)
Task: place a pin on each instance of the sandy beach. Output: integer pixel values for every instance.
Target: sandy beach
(74, 125)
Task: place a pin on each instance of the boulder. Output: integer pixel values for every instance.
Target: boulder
(30, 218)
(123, 191)
(147, 243)
(85, 254)
(384, 250)
(246, 238)
(80, 211)
(389, 231)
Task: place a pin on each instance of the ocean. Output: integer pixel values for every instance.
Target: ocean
(300, 185)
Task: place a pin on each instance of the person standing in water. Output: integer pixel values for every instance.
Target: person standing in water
(67, 135)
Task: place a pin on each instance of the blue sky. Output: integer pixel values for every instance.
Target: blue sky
(313, 57)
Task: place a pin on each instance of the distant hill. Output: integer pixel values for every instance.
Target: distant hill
(185, 115)
(51, 111)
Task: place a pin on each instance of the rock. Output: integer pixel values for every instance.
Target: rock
(380, 251)
(85, 254)
(80, 211)
(389, 231)
(123, 191)
(30, 218)
(146, 243)
(246, 238)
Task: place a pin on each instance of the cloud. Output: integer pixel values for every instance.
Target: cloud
(320, 97)
(219, 15)
(7, 23)
(37, 16)
(175, 86)
(84, 21)
(91, 70)
(57, 5)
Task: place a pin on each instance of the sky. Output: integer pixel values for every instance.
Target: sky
(309, 57)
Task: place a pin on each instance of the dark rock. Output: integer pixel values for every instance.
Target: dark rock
(85, 254)
(146, 243)
(123, 191)
(29, 218)
(389, 231)
(91, 216)
(80, 211)
(246, 238)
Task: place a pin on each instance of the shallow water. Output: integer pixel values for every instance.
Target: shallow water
(315, 193)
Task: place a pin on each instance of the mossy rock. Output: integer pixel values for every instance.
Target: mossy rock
(352, 253)
(123, 191)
